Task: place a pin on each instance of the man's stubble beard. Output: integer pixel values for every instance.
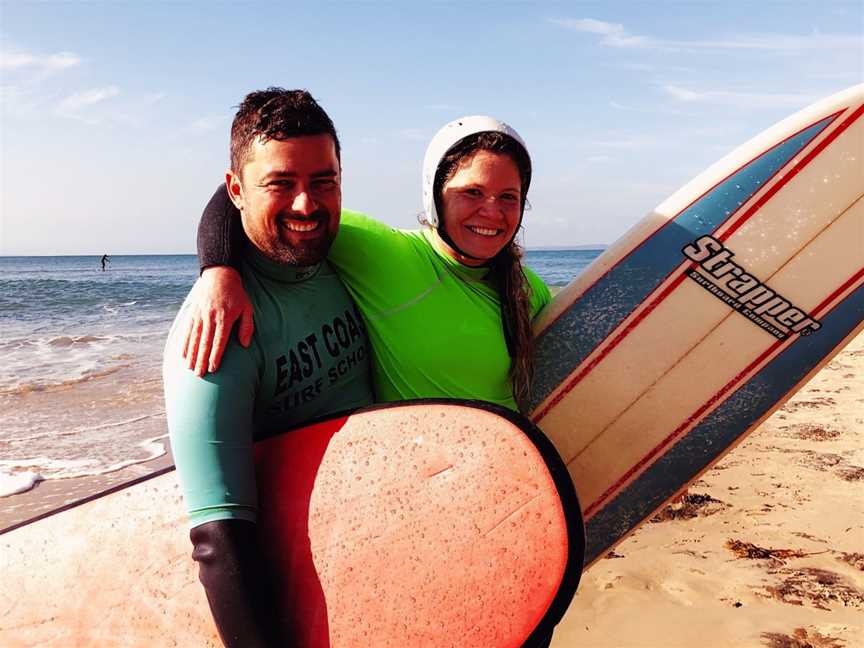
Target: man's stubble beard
(313, 253)
(310, 253)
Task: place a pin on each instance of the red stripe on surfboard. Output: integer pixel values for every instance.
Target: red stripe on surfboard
(816, 150)
(854, 281)
(700, 413)
(614, 343)
(672, 219)
(687, 265)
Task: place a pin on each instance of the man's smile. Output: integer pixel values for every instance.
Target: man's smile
(297, 225)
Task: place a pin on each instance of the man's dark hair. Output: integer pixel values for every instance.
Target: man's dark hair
(277, 113)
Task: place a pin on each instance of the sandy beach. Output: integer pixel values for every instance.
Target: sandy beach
(766, 549)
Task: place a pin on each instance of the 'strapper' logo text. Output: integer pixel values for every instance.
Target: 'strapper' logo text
(728, 281)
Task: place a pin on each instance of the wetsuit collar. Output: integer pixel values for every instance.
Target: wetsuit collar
(276, 270)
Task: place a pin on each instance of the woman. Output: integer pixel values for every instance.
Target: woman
(449, 307)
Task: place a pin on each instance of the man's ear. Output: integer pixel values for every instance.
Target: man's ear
(235, 188)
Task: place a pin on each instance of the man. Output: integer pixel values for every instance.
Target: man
(285, 179)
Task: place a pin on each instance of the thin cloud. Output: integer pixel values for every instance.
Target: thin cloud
(738, 99)
(87, 98)
(23, 60)
(25, 74)
(80, 106)
(30, 92)
(647, 108)
(615, 35)
(153, 98)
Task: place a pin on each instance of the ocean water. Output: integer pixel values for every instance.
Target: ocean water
(80, 358)
(559, 267)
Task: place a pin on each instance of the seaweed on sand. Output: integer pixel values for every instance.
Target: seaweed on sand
(688, 506)
(801, 638)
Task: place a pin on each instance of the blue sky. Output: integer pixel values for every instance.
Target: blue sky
(114, 117)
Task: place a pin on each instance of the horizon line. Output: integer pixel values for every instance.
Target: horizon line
(538, 248)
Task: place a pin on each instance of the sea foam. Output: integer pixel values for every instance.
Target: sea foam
(12, 484)
(14, 471)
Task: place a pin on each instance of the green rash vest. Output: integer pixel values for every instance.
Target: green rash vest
(434, 323)
(309, 357)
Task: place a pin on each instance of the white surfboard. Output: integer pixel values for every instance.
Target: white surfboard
(704, 318)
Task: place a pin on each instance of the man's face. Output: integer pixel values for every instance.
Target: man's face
(290, 196)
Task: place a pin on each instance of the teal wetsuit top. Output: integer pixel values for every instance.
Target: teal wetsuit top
(309, 357)
(434, 323)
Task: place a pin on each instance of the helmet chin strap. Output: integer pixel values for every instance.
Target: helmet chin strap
(442, 232)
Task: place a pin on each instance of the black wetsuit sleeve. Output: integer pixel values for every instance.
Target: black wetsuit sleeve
(238, 590)
(220, 232)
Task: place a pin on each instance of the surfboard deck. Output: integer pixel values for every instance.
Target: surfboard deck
(704, 318)
(424, 523)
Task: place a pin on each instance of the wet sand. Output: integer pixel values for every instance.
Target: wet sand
(53, 494)
(107, 418)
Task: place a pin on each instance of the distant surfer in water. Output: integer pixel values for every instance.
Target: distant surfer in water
(449, 307)
(105, 261)
(285, 179)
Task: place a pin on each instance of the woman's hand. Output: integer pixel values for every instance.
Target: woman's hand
(218, 300)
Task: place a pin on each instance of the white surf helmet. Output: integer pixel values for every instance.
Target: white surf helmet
(447, 137)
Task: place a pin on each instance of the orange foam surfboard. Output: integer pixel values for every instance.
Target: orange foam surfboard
(427, 523)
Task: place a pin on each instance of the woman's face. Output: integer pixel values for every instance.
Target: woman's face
(481, 206)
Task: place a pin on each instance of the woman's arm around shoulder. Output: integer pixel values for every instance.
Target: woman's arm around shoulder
(219, 299)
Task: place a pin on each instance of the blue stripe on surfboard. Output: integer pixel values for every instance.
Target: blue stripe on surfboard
(590, 320)
(689, 456)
